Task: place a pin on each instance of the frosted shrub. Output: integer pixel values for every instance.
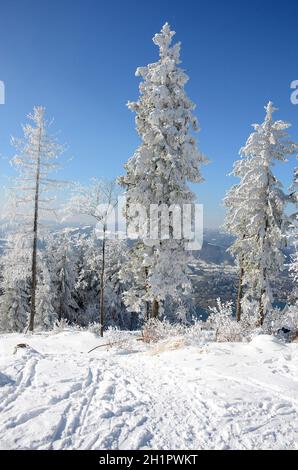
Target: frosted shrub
(286, 318)
(60, 325)
(157, 330)
(222, 322)
(290, 318)
(273, 322)
(196, 334)
(181, 313)
(94, 328)
(64, 325)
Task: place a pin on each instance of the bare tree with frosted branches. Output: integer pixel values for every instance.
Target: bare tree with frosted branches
(97, 201)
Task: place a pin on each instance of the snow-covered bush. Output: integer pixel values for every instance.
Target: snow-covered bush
(60, 325)
(282, 319)
(290, 318)
(94, 328)
(64, 325)
(223, 323)
(156, 330)
(273, 322)
(166, 336)
(196, 334)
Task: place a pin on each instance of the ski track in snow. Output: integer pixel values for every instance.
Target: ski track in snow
(227, 396)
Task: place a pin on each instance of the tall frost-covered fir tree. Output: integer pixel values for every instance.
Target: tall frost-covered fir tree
(294, 269)
(256, 211)
(36, 158)
(15, 284)
(159, 172)
(237, 219)
(294, 237)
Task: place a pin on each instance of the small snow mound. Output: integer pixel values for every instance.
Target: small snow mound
(266, 341)
(259, 339)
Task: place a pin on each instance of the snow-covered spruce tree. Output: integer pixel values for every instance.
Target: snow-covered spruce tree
(46, 315)
(158, 173)
(116, 313)
(63, 270)
(37, 154)
(293, 235)
(256, 210)
(134, 274)
(88, 283)
(15, 284)
(236, 222)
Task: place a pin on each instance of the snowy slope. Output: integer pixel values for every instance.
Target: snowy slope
(223, 396)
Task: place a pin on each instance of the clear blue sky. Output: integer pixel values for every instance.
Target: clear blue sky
(78, 59)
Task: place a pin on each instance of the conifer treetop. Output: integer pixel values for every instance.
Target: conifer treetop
(164, 40)
(269, 140)
(159, 173)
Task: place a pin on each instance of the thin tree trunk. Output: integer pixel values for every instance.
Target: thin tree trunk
(261, 304)
(262, 312)
(60, 316)
(35, 238)
(101, 318)
(240, 288)
(147, 303)
(61, 313)
(147, 311)
(240, 293)
(264, 276)
(155, 308)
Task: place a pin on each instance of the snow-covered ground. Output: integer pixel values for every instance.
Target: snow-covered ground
(224, 396)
